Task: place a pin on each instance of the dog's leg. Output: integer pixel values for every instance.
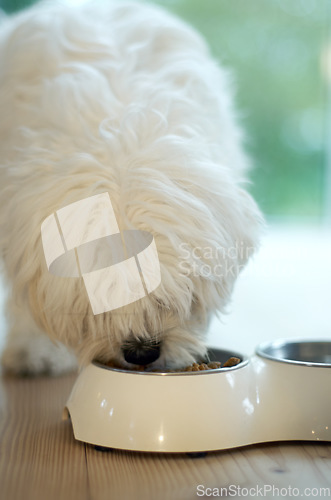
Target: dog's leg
(30, 352)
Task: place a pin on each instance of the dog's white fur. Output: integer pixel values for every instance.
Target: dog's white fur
(120, 98)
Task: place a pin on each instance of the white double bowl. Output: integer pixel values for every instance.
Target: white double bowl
(281, 393)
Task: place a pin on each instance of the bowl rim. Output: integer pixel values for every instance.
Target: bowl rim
(281, 343)
(244, 362)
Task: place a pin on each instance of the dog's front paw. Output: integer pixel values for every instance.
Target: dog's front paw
(39, 355)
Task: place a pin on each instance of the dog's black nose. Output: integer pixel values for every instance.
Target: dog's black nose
(141, 351)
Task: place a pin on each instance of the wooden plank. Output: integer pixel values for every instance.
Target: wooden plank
(273, 467)
(39, 458)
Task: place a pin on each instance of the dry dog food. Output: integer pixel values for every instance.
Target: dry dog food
(213, 365)
(195, 367)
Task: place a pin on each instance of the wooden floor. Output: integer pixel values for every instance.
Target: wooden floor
(39, 459)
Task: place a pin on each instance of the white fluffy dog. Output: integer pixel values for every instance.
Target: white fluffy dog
(119, 98)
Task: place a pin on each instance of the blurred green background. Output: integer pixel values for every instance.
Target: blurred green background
(275, 49)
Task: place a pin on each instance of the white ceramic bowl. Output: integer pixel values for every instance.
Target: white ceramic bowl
(281, 393)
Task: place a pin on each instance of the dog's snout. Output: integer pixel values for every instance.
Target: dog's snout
(141, 351)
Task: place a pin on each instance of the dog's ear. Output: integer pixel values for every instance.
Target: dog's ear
(212, 263)
(244, 227)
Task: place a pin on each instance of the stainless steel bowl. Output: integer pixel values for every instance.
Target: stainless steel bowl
(303, 352)
(214, 354)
